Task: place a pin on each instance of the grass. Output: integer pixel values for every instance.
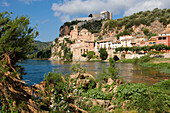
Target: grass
(126, 60)
(163, 67)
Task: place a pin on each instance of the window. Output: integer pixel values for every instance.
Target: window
(164, 41)
(81, 51)
(154, 42)
(164, 38)
(160, 38)
(150, 42)
(160, 42)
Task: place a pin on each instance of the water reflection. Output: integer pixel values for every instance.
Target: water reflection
(35, 70)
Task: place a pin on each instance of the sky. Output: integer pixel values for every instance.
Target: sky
(49, 15)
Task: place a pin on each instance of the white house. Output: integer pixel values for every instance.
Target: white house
(104, 44)
(126, 41)
(116, 44)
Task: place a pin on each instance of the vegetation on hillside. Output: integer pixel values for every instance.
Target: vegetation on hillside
(41, 54)
(64, 52)
(136, 19)
(69, 25)
(41, 45)
(93, 27)
(42, 50)
(145, 18)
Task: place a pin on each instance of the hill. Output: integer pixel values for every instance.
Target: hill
(41, 45)
(141, 24)
(42, 51)
(153, 22)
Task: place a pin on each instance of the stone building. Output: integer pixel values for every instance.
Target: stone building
(84, 42)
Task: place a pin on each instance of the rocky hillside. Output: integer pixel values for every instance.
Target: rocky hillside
(141, 24)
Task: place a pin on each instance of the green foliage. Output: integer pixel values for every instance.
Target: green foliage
(95, 57)
(16, 37)
(68, 55)
(144, 59)
(163, 86)
(55, 78)
(103, 53)
(90, 54)
(146, 31)
(97, 94)
(99, 38)
(84, 55)
(145, 18)
(143, 98)
(93, 27)
(162, 67)
(97, 109)
(76, 68)
(41, 45)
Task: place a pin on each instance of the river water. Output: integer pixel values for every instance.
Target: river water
(36, 69)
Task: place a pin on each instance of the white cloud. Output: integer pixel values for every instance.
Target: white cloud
(128, 7)
(147, 5)
(4, 3)
(65, 18)
(28, 1)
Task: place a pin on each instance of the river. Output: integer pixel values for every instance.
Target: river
(36, 69)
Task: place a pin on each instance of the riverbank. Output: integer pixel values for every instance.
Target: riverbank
(159, 64)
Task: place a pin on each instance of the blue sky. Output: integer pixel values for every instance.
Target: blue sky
(51, 14)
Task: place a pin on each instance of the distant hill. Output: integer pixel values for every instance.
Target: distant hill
(42, 50)
(41, 45)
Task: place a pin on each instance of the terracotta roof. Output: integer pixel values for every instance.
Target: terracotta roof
(116, 42)
(152, 39)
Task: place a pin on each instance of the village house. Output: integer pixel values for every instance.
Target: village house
(151, 41)
(126, 41)
(138, 42)
(84, 42)
(109, 44)
(163, 39)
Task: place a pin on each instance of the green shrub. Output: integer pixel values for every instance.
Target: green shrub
(95, 57)
(144, 59)
(143, 98)
(84, 55)
(103, 53)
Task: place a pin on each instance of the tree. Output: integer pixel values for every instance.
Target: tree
(90, 15)
(146, 31)
(90, 54)
(16, 38)
(103, 53)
